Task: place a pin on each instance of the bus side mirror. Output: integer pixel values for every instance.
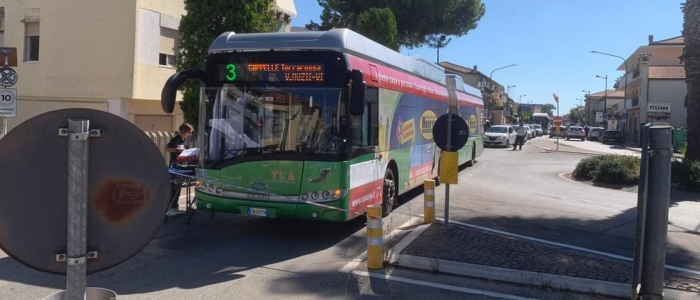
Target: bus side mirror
(169, 92)
(357, 93)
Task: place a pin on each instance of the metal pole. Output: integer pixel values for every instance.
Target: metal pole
(4, 127)
(447, 185)
(624, 109)
(605, 104)
(555, 129)
(659, 193)
(624, 103)
(76, 269)
(641, 214)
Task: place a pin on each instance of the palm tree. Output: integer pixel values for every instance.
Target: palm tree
(691, 59)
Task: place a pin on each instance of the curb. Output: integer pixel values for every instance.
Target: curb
(564, 151)
(576, 284)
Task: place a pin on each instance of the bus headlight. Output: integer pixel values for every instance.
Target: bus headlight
(323, 196)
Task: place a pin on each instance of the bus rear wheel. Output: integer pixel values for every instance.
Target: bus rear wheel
(389, 192)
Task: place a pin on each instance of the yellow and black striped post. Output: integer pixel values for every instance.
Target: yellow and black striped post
(375, 241)
(429, 201)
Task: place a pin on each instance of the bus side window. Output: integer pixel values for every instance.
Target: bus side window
(365, 128)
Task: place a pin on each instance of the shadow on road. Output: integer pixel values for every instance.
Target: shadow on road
(206, 253)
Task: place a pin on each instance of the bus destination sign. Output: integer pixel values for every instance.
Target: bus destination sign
(307, 72)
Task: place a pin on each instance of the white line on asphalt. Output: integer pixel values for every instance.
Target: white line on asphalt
(438, 285)
(565, 245)
(362, 257)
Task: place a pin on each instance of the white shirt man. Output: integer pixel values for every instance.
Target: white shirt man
(520, 139)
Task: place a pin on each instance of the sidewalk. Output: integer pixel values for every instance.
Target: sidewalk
(636, 148)
(474, 251)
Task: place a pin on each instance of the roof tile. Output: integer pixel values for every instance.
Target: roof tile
(667, 72)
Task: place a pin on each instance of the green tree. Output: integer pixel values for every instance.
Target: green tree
(417, 21)
(691, 59)
(379, 24)
(575, 115)
(204, 21)
(548, 109)
(438, 42)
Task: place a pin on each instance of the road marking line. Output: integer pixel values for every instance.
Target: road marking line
(565, 245)
(438, 285)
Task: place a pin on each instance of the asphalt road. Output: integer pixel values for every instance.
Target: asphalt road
(231, 257)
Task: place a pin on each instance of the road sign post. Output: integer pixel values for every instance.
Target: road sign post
(451, 134)
(557, 120)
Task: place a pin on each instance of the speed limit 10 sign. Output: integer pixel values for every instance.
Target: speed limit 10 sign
(8, 103)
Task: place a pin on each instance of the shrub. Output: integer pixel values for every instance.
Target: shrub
(608, 169)
(686, 174)
(618, 170)
(585, 168)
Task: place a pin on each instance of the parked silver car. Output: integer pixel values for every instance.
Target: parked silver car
(575, 132)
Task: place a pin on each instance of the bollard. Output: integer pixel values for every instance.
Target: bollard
(656, 222)
(375, 241)
(429, 201)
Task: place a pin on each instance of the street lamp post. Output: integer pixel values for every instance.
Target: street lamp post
(588, 107)
(508, 97)
(624, 103)
(520, 106)
(605, 100)
(494, 86)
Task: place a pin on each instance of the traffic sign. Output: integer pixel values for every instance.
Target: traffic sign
(127, 186)
(8, 77)
(8, 103)
(460, 132)
(557, 121)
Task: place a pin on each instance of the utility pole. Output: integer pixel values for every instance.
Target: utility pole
(494, 86)
(624, 103)
(520, 107)
(605, 101)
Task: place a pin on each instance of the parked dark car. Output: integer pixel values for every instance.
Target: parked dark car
(614, 136)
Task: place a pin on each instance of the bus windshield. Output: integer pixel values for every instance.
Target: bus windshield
(244, 123)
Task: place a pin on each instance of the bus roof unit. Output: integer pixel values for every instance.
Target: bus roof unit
(338, 39)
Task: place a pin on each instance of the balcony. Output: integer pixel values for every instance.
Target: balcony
(635, 101)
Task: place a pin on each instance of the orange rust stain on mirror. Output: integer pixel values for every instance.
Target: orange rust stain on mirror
(120, 199)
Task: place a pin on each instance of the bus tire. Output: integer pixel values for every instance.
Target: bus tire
(388, 192)
(472, 161)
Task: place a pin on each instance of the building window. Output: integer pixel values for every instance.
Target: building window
(2, 26)
(166, 60)
(31, 41)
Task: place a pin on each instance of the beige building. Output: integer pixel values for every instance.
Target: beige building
(113, 56)
(595, 103)
(656, 85)
(493, 93)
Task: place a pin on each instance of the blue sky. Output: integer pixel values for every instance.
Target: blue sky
(549, 41)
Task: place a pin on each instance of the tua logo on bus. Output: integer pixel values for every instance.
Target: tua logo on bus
(282, 176)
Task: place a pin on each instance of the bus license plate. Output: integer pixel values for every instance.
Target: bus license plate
(262, 212)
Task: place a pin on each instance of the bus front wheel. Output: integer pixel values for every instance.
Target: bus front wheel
(389, 192)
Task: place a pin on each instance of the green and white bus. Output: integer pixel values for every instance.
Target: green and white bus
(318, 125)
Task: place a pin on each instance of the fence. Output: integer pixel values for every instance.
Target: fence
(161, 139)
(680, 139)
